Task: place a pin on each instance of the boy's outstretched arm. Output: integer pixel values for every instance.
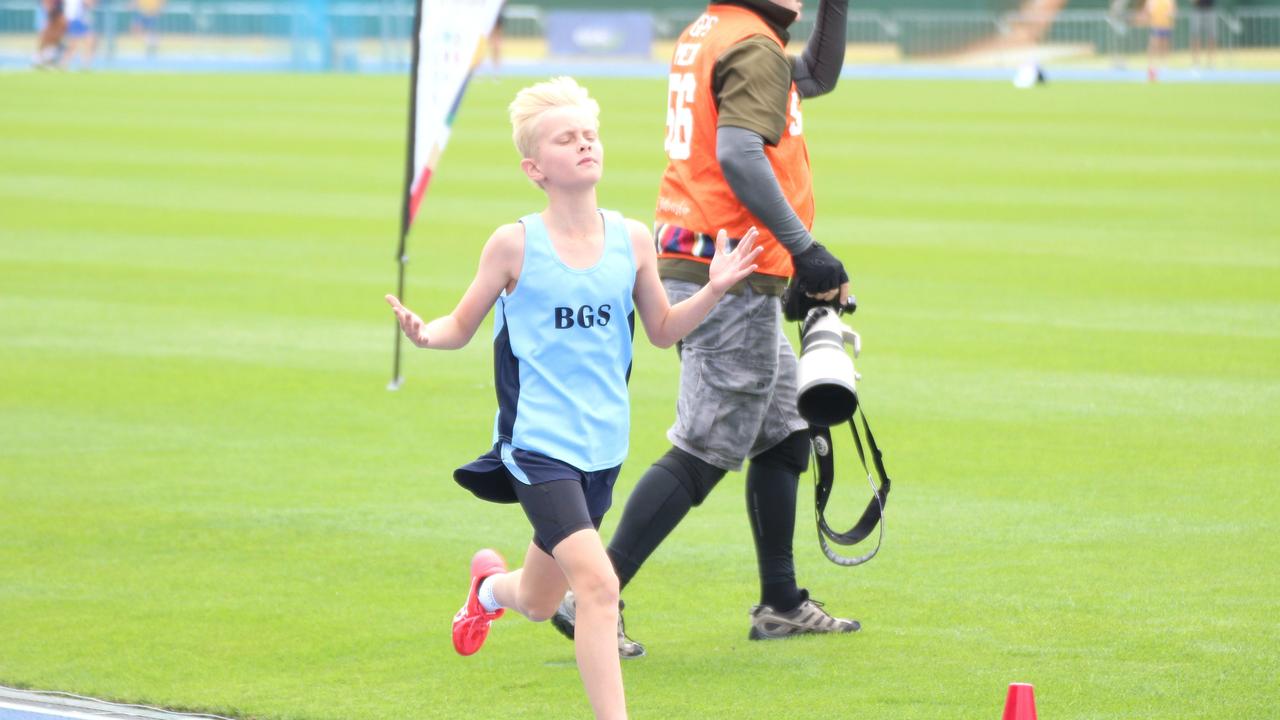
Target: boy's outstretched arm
(500, 263)
(665, 323)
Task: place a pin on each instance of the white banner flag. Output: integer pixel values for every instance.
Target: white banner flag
(447, 37)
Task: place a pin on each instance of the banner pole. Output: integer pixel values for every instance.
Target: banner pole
(402, 256)
(449, 50)
(396, 378)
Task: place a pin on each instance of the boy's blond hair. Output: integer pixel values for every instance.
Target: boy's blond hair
(533, 101)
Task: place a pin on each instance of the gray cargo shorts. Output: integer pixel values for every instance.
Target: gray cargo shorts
(737, 379)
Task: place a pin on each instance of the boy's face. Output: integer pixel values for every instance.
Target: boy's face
(568, 151)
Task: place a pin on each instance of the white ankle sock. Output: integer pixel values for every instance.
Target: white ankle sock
(485, 594)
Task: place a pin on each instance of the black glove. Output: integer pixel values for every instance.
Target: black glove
(796, 305)
(816, 271)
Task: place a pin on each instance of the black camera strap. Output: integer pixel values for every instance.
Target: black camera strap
(824, 479)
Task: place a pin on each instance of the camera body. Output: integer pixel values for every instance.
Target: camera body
(828, 393)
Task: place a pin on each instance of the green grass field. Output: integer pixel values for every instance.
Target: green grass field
(1070, 305)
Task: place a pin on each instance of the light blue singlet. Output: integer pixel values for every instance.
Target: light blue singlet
(562, 351)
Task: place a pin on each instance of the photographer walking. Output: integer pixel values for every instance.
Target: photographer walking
(737, 158)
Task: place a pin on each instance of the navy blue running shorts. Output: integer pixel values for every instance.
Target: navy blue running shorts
(558, 498)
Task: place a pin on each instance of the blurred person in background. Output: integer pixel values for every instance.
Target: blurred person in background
(1159, 15)
(1204, 31)
(738, 158)
(146, 21)
(81, 40)
(49, 41)
(1119, 17)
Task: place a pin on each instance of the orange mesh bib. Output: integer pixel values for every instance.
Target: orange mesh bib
(695, 200)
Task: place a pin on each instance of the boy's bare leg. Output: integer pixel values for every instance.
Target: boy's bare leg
(595, 585)
(534, 590)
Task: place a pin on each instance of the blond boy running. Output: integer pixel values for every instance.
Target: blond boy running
(567, 283)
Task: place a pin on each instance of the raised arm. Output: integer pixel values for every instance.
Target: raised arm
(743, 130)
(818, 69)
(664, 323)
(500, 264)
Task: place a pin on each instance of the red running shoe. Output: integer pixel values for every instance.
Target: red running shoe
(471, 624)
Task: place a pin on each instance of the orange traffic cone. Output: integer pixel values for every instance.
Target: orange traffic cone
(1020, 704)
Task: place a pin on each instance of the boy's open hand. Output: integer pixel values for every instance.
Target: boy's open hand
(410, 323)
(728, 267)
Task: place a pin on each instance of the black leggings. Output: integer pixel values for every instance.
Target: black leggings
(678, 482)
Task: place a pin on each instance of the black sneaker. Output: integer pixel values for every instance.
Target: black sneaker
(566, 615)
